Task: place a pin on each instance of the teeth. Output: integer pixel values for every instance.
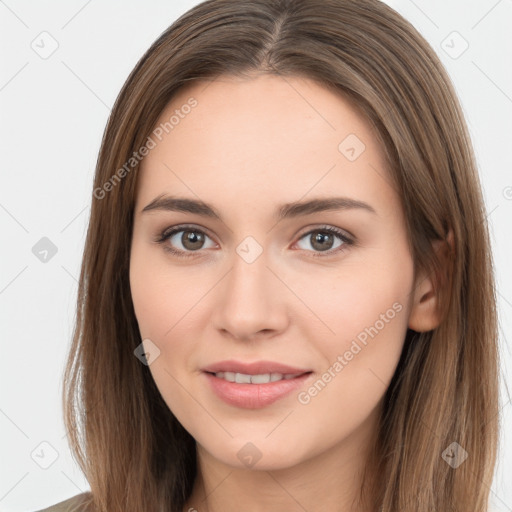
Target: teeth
(243, 378)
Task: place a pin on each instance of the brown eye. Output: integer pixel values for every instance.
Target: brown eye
(192, 240)
(324, 240)
(182, 241)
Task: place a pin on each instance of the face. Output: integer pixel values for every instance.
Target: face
(236, 281)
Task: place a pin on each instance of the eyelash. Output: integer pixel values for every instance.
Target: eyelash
(167, 233)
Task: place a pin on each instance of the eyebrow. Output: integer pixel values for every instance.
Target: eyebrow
(285, 211)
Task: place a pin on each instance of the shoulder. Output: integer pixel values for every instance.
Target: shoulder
(79, 503)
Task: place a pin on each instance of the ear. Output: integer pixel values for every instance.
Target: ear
(425, 312)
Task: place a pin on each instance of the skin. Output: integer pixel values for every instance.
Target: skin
(249, 146)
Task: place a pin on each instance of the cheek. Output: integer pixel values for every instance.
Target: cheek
(368, 313)
(162, 294)
(362, 294)
(163, 301)
(364, 316)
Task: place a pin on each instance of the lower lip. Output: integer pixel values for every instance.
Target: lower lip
(254, 396)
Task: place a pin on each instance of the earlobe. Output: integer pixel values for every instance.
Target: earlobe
(426, 312)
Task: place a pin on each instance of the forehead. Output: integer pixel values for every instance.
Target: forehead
(262, 107)
(264, 135)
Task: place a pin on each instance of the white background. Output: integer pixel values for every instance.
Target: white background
(53, 113)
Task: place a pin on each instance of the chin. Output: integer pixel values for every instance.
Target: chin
(259, 454)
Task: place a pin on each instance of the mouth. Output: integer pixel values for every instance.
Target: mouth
(253, 385)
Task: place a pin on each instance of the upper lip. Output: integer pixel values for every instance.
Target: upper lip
(255, 368)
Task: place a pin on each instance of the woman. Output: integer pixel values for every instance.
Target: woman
(287, 298)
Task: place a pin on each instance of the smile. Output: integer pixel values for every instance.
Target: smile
(248, 391)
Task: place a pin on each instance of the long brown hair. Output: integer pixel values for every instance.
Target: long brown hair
(132, 450)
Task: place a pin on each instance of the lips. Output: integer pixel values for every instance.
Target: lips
(253, 385)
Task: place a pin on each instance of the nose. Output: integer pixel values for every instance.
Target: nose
(251, 302)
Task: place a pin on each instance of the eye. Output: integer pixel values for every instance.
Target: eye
(323, 240)
(187, 239)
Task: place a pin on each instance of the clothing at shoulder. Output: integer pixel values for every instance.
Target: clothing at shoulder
(79, 503)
